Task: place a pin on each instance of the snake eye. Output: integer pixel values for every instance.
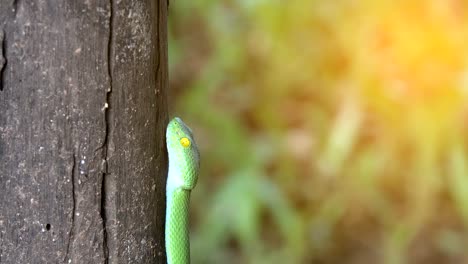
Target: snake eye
(185, 142)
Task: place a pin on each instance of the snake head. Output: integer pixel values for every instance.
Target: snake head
(184, 158)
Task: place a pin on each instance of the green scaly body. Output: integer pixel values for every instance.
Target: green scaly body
(184, 164)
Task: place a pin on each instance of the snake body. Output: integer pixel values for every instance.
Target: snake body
(184, 164)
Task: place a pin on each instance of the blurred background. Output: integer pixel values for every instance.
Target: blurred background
(330, 131)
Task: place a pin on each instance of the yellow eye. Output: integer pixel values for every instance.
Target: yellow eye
(185, 142)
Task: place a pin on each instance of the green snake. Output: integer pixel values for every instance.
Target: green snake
(184, 164)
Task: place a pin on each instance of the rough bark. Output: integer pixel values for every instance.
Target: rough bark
(82, 120)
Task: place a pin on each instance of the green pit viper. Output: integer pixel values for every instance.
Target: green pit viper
(184, 164)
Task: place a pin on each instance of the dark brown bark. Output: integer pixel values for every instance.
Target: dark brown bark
(82, 120)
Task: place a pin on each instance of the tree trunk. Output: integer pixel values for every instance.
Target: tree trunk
(82, 122)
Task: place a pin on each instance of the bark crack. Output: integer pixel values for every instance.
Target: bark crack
(158, 66)
(16, 4)
(71, 233)
(105, 145)
(3, 60)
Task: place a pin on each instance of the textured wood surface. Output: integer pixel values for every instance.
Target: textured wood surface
(82, 120)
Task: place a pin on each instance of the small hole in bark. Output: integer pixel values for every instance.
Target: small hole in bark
(47, 227)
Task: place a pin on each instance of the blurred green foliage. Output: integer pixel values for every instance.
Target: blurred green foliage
(330, 131)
